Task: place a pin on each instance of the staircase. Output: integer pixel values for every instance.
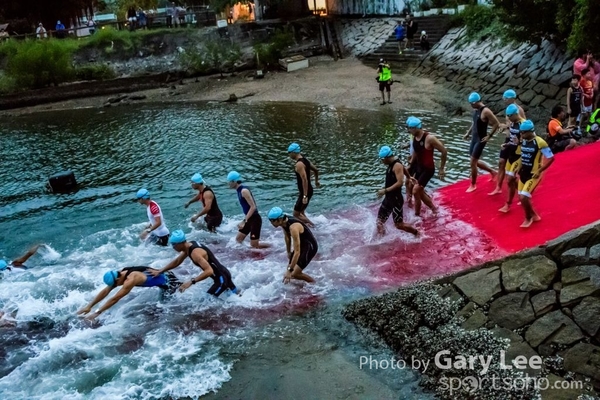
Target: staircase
(435, 26)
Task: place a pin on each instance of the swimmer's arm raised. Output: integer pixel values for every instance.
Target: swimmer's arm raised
(127, 286)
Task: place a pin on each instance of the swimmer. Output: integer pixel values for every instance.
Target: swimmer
(19, 262)
(203, 258)
(482, 117)
(252, 223)
(533, 148)
(303, 168)
(210, 207)
(509, 153)
(393, 200)
(300, 244)
(156, 230)
(423, 145)
(510, 99)
(128, 278)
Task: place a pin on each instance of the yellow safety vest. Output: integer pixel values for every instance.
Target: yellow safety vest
(385, 74)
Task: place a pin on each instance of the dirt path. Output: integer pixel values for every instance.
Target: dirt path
(346, 83)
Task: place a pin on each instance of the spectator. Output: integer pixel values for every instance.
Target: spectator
(574, 97)
(585, 59)
(400, 32)
(61, 31)
(3, 35)
(174, 16)
(141, 19)
(410, 32)
(587, 86)
(559, 139)
(41, 32)
(91, 26)
(424, 41)
(132, 18)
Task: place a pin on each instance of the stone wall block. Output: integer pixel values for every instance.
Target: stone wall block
(544, 302)
(525, 274)
(574, 257)
(480, 286)
(584, 359)
(587, 315)
(553, 328)
(512, 311)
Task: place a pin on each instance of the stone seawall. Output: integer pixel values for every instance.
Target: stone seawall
(363, 36)
(540, 74)
(543, 303)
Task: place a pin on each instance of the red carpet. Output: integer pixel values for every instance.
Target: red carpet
(566, 199)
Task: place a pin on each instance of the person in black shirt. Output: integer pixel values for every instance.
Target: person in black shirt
(300, 244)
(213, 215)
(392, 193)
(303, 169)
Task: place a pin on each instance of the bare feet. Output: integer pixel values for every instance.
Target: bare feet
(527, 223)
(505, 208)
(496, 191)
(472, 188)
(494, 175)
(536, 218)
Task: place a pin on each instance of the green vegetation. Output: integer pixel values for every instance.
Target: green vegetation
(216, 55)
(32, 64)
(270, 52)
(572, 22)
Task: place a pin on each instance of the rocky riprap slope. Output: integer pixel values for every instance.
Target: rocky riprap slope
(540, 74)
(543, 302)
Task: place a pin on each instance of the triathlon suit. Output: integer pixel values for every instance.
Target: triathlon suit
(160, 235)
(214, 217)
(166, 281)
(479, 132)
(221, 276)
(299, 206)
(425, 166)
(393, 200)
(531, 160)
(511, 144)
(308, 243)
(254, 224)
(575, 101)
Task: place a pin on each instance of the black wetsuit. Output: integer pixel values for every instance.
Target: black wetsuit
(575, 101)
(299, 206)
(478, 132)
(308, 243)
(221, 276)
(214, 217)
(393, 200)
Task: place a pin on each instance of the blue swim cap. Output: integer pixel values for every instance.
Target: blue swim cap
(234, 176)
(276, 213)
(385, 151)
(414, 122)
(512, 110)
(526, 126)
(110, 278)
(294, 148)
(177, 237)
(474, 97)
(197, 178)
(3, 265)
(510, 94)
(143, 194)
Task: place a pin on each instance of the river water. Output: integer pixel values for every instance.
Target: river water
(145, 348)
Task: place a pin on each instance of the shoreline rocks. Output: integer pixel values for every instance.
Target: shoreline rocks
(543, 302)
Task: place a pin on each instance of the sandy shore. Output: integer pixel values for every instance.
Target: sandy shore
(345, 83)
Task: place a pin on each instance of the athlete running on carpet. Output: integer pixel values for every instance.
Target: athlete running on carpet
(510, 155)
(203, 258)
(482, 117)
(392, 193)
(300, 244)
(510, 99)
(422, 164)
(533, 148)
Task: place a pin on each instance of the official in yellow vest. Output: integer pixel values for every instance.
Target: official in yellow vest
(384, 78)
